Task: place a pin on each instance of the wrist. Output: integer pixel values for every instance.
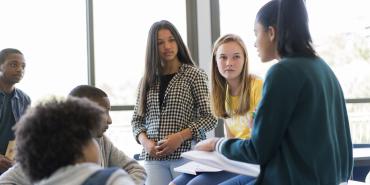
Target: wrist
(181, 137)
(214, 142)
(218, 144)
(142, 138)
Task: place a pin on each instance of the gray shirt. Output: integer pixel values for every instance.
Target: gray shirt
(77, 174)
(110, 156)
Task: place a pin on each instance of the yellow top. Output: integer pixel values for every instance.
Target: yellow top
(240, 126)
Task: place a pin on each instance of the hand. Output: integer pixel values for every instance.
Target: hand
(169, 145)
(251, 120)
(149, 147)
(251, 123)
(5, 163)
(207, 145)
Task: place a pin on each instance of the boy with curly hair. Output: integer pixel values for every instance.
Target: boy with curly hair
(56, 143)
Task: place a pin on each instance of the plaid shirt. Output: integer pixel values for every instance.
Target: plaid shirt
(185, 105)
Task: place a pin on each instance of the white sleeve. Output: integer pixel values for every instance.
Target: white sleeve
(219, 144)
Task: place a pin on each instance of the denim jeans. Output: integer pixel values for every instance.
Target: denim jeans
(240, 180)
(161, 172)
(206, 178)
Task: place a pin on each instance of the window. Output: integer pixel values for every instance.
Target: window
(341, 37)
(121, 31)
(52, 36)
(53, 43)
(120, 133)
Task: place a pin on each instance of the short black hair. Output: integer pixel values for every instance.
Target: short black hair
(6, 52)
(53, 133)
(290, 19)
(88, 91)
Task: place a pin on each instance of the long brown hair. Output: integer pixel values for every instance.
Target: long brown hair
(219, 84)
(153, 60)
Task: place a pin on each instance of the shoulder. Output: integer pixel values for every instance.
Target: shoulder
(300, 67)
(106, 145)
(256, 85)
(299, 62)
(14, 175)
(256, 80)
(288, 73)
(20, 92)
(22, 95)
(114, 155)
(193, 71)
(279, 73)
(284, 67)
(104, 139)
(189, 69)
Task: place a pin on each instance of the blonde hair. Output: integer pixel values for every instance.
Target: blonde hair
(219, 84)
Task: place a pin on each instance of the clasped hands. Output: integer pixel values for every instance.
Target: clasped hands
(163, 147)
(172, 142)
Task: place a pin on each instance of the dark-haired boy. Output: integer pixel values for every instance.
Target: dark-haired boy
(56, 144)
(13, 101)
(109, 155)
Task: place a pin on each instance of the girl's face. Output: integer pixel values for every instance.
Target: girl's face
(167, 45)
(265, 42)
(230, 60)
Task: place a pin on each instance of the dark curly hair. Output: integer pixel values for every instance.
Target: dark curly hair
(52, 134)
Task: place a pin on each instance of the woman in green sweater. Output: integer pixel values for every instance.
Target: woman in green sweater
(301, 132)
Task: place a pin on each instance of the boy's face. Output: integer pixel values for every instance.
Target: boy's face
(107, 120)
(12, 70)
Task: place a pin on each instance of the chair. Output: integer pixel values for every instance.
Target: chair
(361, 168)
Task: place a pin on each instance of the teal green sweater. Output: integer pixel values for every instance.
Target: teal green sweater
(301, 132)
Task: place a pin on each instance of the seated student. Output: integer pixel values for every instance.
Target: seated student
(13, 101)
(235, 95)
(55, 144)
(109, 155)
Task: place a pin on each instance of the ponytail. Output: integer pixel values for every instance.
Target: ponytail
(290, 19)
(294, 38)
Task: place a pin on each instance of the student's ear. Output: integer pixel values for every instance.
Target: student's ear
(272, 33)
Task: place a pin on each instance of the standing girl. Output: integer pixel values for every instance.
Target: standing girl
(172, 107)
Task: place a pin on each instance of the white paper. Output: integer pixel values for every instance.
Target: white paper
(351, 182)
(218, 161)
(193, 167)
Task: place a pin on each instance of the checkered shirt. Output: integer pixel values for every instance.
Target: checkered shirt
(185, 105)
